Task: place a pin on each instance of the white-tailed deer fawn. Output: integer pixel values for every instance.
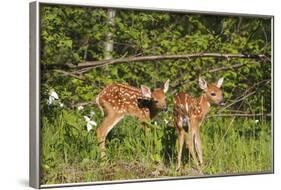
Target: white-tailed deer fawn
(119, 100)
(192, 111)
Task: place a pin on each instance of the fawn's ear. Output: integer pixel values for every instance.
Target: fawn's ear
(219, 83)
(145, 91)
(166, 86)
(202, 84)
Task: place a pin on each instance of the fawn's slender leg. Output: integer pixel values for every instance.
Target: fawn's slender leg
(181, 134)
(198, 146)
(192, 132)
(108, 123)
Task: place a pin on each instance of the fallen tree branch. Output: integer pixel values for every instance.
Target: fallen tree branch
(93, 64)
(239, 115)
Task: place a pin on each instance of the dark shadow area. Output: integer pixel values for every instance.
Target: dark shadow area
(169, 145)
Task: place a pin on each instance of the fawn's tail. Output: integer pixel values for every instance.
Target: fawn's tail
(98, 103)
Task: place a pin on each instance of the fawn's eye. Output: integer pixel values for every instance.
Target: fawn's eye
(213, 94)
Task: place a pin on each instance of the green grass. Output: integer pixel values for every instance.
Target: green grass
(70, 153)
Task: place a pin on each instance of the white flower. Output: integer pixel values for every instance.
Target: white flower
(90, 123)
(89, 127)
(86, 118)
(61, 105)
(52, 97)
(50, 100)
(80, 108)
(256, 121)
(54, 94)
(166, 121)
(92, 113)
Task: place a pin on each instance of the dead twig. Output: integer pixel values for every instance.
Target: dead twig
(73, 105)
(65, 73)
(94, 64)
(237, 100)
(239, 115)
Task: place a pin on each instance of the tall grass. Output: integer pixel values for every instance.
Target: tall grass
(69, 153)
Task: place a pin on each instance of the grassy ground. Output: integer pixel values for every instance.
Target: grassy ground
(70, 153)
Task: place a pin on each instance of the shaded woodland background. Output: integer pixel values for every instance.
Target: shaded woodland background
(236, 138)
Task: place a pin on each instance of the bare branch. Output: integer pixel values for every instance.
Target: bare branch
(69, 74)
(235, 66)
(247, 93)
(93, 64)
(236, 101)
(83, 104)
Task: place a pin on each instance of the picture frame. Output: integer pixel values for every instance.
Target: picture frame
(37, 69)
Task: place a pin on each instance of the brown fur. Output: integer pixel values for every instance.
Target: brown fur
(119, 100)
(193, 110)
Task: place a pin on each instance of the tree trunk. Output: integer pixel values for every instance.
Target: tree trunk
(108, 45)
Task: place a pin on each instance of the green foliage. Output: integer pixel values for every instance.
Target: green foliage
(71, 154)
(77, 34)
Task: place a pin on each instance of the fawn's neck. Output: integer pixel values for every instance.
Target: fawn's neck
(148, 107)
(204, 103)
(152, 111)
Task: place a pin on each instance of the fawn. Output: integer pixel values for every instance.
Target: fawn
(192, 111)
(119, 100)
